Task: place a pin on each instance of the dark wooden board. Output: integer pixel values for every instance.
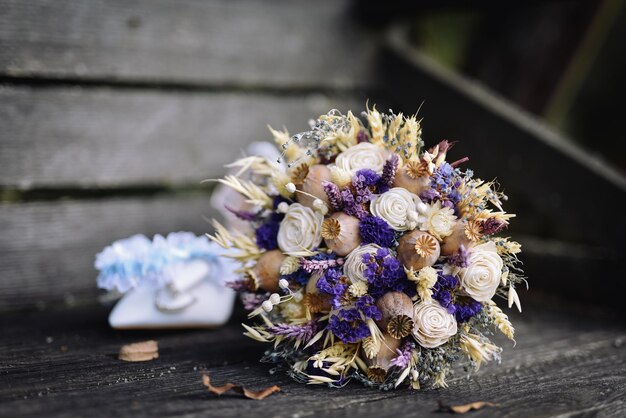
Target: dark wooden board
(281, 43)
(55, 137)
(63, 364)
(556, 187)
(47, 248)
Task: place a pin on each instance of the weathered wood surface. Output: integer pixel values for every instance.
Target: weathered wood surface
(555, 186)
(64, 365)
(47, 248)
(55, 137)
(282, 43)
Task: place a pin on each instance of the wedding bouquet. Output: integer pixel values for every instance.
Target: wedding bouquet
(369, 258)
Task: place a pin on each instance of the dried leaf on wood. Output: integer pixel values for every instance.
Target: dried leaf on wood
(143, 351)
(462, 409)
(251, 394)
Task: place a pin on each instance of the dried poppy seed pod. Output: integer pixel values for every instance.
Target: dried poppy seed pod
(397, 314)
(312, 185)
(313, 300)
(380, 364)
(341, 233)
(413, 185)
(453, 242)
(266, 273)
(418, 249)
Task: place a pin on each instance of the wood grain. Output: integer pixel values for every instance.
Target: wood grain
(553, 185)
(282, 43)
(63, 364)
(56, 137)
(47, 248)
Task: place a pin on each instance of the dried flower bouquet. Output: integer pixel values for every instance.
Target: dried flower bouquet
(370, 258)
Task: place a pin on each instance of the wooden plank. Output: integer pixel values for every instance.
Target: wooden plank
(563, 365)
(556, 188)
(54, 137)
(280, 43)
(47, 248)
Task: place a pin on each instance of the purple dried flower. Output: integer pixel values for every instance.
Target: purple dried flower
(492, 226)
(334, 195)
(331, 283)
(375, 230)
(366, 305)
(267, 235)
(361, 136)
(368, 176)
(302, 332)
(460, 258)
(244, 215)
(362, 193)
(429, 195)
(351, 207)
(348, 331)
(466, 308)
(251, 301)
(385, 273)
(239, 285)
(445, 292)
(405, 354)
(389, 173)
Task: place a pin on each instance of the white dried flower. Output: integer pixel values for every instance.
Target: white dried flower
(300, 230)
(267, 306)
(340, 176)
(283, 284)
(363, 155)
(424, 280)
(437, 220)
(358, 289)
(354, 267)
(482, 276)
(433, 324)
(397, 207)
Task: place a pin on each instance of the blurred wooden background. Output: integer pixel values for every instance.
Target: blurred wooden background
(112, 112)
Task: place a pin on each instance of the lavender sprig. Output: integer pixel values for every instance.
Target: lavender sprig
(351, 207)
(460, 258)
(311, 266)
(300, 332)
(334, 195)
(389, 173)
(405, 354)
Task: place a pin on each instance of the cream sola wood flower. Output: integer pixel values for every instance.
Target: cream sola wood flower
(360, 156)
(300, 231)
(433, 324)
(398, 208)
(482, 276)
